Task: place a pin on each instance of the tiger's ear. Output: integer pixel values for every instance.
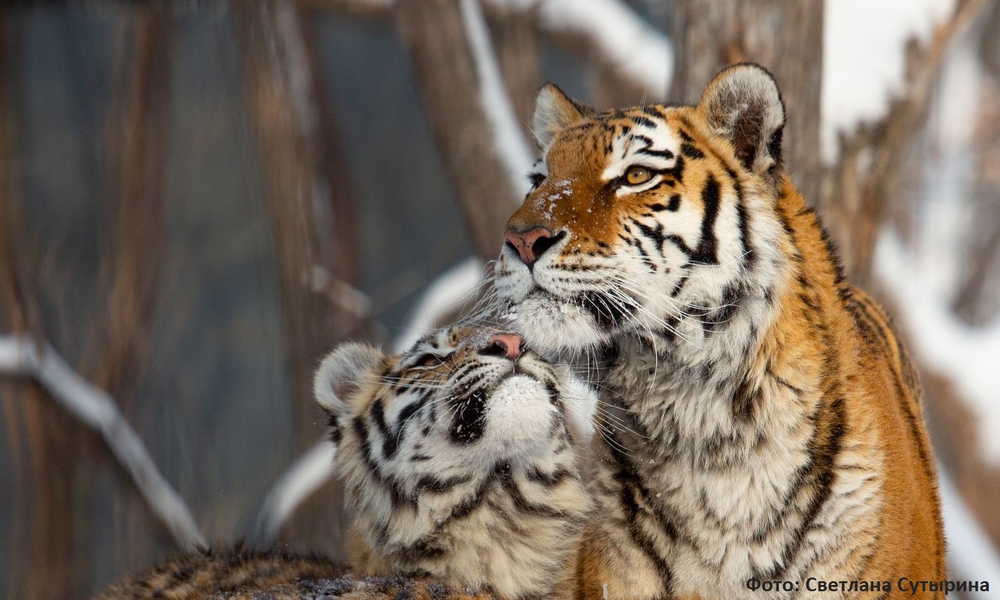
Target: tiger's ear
(555, 111)
(744, 106)
(341, 374)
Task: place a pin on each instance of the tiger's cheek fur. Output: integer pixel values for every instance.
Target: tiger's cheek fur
(673, 258)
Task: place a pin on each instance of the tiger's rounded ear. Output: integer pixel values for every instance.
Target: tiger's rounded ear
(554, 110)
(341, 374)
(744, 106)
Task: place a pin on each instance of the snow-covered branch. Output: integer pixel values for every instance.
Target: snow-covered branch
(442, 295)
(92, 405)
(612, 32)
(620, 38)
(305, 476)
(510, 146)
(865, 64)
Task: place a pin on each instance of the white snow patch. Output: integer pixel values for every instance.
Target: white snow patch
(864, 58)
(968, 355)
(944, 195)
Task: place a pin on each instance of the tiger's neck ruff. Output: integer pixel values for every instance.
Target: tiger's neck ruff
(758, 418)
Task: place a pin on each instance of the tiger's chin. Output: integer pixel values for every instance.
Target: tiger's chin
(556, 327)
(520, 419)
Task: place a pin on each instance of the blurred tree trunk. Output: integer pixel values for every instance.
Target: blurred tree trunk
(131, 262)
(978, 299)
(515, 40)
(311, 210)
(867, 180)
(136, 255)
(44, 455)
(450, 88)
(283, 111)
(786, 37)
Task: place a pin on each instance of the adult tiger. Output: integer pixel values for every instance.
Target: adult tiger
(763, 421)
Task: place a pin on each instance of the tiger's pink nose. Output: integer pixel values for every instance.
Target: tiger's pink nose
(506, 344)
(529, 244)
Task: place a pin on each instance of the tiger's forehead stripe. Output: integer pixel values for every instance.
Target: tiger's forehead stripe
(585, 157)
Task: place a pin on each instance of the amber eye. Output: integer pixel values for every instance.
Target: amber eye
(638, 175)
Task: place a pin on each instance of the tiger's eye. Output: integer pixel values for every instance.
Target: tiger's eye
(638, 175)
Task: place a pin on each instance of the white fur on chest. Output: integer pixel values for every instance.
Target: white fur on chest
(729, 487)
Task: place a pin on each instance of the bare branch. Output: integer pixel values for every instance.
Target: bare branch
(313, 469)
(510, 145)
(859, 190)
(93, 406)
(614, 35)
(609, 32)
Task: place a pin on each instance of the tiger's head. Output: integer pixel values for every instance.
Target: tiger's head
(453, 452)
(654, 221)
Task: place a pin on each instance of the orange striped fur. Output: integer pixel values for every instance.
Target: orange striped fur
(758, 416)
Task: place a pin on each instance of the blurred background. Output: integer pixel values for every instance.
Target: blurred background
(198, 199)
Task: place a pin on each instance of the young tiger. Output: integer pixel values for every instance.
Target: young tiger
(457, 463)
(460, 476)
(762, 420)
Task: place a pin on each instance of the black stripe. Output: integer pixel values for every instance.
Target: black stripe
(506, 479)
(680, 282)
(677, 171)
(691, 152)
(395, 489)
(390, 443)
(706, 251)
(606, 312)
(549, 479)
(643, 121)
(645, 256)
(654, 235)
(664, 154)
(632, 487)
(743, 219)
(469, 423)
(432, 484)
(335, 433)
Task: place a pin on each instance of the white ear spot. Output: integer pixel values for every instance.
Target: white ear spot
(341, 374)
(554, 111)
(744, 106)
